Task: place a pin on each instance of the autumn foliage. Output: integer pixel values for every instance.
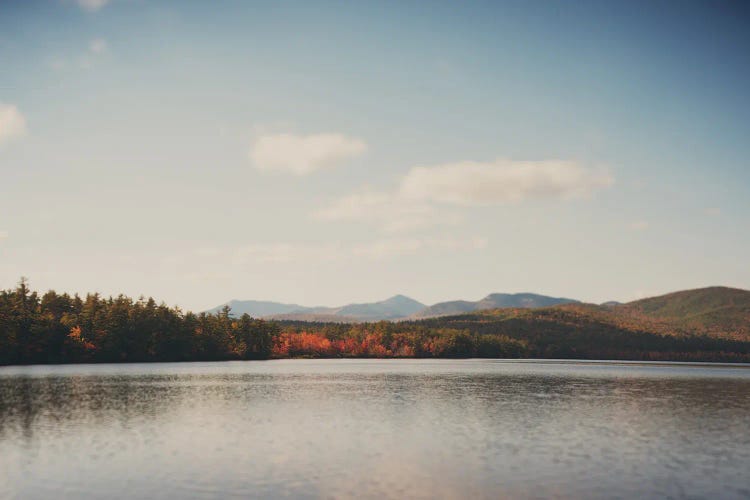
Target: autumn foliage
(306, 344)
(386, 340)
(59, 328)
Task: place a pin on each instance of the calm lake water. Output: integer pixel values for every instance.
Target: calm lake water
(375, 428)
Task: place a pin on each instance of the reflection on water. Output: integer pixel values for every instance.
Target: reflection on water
(368, 428)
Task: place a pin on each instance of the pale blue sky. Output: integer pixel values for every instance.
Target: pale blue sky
(330, 152)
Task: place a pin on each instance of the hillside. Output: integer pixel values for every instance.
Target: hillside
(569, 331)
(717, 311)
(492, 301)
(708, 324)
(398, 306)
(257, 308)
(688, 326)
(446, 309)
(602, 332)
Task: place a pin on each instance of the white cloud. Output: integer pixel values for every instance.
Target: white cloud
(98, 46)
(501, 181)
(12, 123)
(639, 225)
(424, 194)
(92, 5)
(391, 212)
(3, 235)
(713, 211)
(303, 154)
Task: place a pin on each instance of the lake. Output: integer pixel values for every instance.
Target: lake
(374, 429)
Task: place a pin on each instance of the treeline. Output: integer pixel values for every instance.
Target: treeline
(60, 328)
(580, 331)
(561, 332)
(392, 340)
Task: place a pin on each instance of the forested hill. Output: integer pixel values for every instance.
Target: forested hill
(713, 312)
(716, 311)
(711, 324)
(700, 325)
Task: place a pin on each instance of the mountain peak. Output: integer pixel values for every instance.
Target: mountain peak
(402, 299)
(525, 300)
(398, 306)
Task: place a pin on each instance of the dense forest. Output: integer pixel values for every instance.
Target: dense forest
(60, 328)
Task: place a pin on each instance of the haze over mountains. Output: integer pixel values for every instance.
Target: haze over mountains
(394, 308)
(635, 330)
(492, 301)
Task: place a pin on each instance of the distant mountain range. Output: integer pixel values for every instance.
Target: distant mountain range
(398, 307)
(492, 301)
(708, 324)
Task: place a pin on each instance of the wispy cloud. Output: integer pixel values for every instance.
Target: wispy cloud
(307, 253)
(98, 46)
(92, 5)
(3, 235)
(390, 211)
(303, 154)
(425, 195)
(501, 181)
(12, 123)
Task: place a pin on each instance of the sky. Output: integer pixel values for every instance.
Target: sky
(324, 153)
